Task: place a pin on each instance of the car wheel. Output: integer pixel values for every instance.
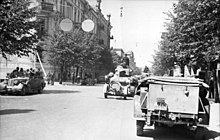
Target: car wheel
(105, 95)
(40, 90)
(23, 91)
(105, 90)
(200, 133)
(158, 125)
(140, 126)
(125, 97)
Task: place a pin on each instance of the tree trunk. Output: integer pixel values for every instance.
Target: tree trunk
(182, 70)
(61, 75)
(77, 71)
(216, 92)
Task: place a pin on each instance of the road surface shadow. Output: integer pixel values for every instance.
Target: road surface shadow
(167, 134)
(176, 133)
(15, 111)
(47, 91)
(14, 94)
(122, 98)
(116, 98)
(212, 134)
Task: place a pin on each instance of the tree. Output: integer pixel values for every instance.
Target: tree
(91, 52)
(64, 50)
(146, 69)
(73, 49)
(192, 36)
(136, 71)
(17, 28)
(116, 59)
(105, 62)
(198, 30)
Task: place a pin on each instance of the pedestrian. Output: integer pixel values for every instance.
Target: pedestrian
(73, 77)
(78, 79)
(89, 76)
(125, 61)
(211, 88)
(52, 78)
(48, 78)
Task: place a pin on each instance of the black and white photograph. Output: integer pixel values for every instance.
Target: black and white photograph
(110, 70)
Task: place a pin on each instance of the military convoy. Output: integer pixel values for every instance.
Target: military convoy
(169, 101)
(22, 85)
(120, 83)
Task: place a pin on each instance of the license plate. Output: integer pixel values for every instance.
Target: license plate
(160, 104)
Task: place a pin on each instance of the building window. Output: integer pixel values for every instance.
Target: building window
(41, 28)
(69, 11)
(62, 7)
(40, 53)
(75, 14)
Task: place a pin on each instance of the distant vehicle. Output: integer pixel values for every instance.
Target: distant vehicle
(89, 81)
(169, 101)
(101, 79)
(3, 85)
(24, 85)
(121, 84)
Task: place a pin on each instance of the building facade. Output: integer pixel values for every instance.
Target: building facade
(120, 52)
(50, 13)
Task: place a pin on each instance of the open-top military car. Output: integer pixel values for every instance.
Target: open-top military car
(24, 85)
(169, 101)
(121, 84)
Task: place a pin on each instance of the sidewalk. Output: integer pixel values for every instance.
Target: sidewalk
(65, 83)
(214, 122)
(71, 84)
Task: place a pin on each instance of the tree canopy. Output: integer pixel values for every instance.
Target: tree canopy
(73, 48)
(17, 28)
(192, 36)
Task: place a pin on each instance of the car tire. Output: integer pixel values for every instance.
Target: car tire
(200, 133)
(106, 89)
(125, 97)
(140, 125)
(105, 95)
(158, 125)
(40, 90)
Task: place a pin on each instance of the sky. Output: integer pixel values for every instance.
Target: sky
(138, 26)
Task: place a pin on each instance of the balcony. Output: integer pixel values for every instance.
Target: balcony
(46, 6)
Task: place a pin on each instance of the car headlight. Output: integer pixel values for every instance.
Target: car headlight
(127, 81)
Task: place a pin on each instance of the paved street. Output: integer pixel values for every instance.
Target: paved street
(65, 112)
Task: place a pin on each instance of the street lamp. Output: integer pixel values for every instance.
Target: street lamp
(99, 4)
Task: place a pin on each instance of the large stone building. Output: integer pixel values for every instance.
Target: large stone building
(120, 52)
(50, 13)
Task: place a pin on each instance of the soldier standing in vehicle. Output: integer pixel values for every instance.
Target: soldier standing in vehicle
(125, 61)
(14, 73)
(20, 73)
(108, 77)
